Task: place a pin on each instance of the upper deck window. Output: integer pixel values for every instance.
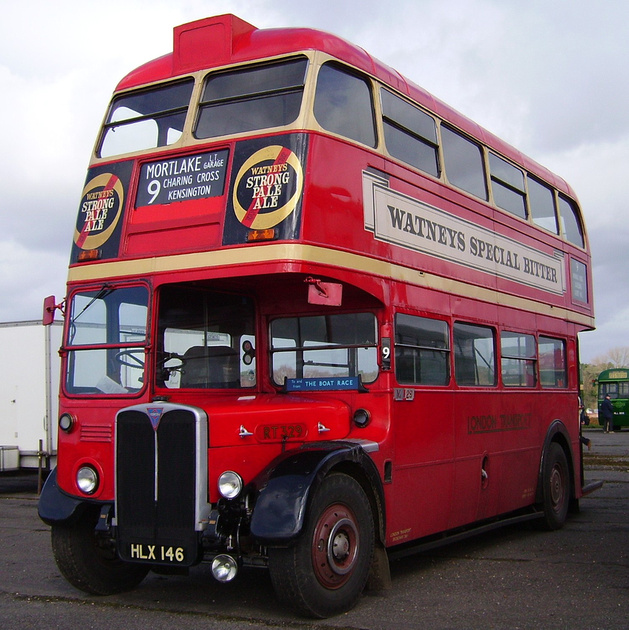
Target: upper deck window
(570, 222)
(343, 105)
(463, 163)
(146, 119)
(542, 206)
(507, 183)
(409, 133)
(252, 98)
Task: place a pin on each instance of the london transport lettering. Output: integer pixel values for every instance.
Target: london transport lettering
(503, 422)
(415, 225)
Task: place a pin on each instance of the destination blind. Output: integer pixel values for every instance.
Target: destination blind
(181, 179)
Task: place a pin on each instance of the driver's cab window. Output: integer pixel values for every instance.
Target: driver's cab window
(106, 340)
(205, 340)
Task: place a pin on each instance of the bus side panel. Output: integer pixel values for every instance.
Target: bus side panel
(478, 459)
(419, 501)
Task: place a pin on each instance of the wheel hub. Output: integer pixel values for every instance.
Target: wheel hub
(335, 546)
(556, 487)
(340, 546)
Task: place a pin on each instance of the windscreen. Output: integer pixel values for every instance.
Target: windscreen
(106, 340)
(206, 339)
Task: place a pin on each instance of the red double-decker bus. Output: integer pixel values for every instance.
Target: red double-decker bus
(315, 319)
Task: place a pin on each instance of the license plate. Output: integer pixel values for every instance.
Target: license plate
(281, 432)
(169, 554)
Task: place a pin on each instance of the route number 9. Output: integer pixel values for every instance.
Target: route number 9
(154, 189)
(385, 353)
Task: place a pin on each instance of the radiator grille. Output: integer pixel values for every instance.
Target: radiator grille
(161, 481)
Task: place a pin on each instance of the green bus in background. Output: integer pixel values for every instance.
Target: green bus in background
(615, 382)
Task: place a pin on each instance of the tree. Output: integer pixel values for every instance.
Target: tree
(614, 358)
(589, 376)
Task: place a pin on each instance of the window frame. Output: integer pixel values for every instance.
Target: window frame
(157, 115)
(444, 352)
(480, 148)
(522, 361)
(112, 322)
(237, 99)
(501, 186)
(352, 349)
(458, 357)
(571, 220)
(563, 372)
(323, 122)
(399, 126)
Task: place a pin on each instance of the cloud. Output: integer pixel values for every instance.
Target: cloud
(550, 78)
(27, 275)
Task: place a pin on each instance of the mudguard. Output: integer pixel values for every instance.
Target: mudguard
(54, 505)
(285, 486)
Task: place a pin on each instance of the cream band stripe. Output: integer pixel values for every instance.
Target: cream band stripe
(318, 255)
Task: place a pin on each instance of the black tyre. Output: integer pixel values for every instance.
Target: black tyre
(87, 563)
(325, 572)
(556, 487)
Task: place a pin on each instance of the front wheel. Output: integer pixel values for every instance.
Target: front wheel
(556, 487)
(89, 564)
(325, 572)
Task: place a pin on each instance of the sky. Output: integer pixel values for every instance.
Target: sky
(550, 77)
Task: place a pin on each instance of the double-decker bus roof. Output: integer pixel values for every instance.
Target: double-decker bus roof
(226, 39)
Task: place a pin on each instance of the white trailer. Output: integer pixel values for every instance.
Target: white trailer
(29, 388)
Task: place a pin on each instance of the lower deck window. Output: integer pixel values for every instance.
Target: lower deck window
(552, 362)
(422, 350)
(518, 359)
(474, 362)
(324, 346)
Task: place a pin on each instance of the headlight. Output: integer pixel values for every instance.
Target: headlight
(66, 422)
(87, 480)
(229, 484)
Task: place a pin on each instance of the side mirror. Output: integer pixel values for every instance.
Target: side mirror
(50, 306)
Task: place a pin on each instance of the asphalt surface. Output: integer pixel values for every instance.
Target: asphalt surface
(515, 577)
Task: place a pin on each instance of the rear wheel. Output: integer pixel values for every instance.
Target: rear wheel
(556, 487)
(88, 563)
(325, 572)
